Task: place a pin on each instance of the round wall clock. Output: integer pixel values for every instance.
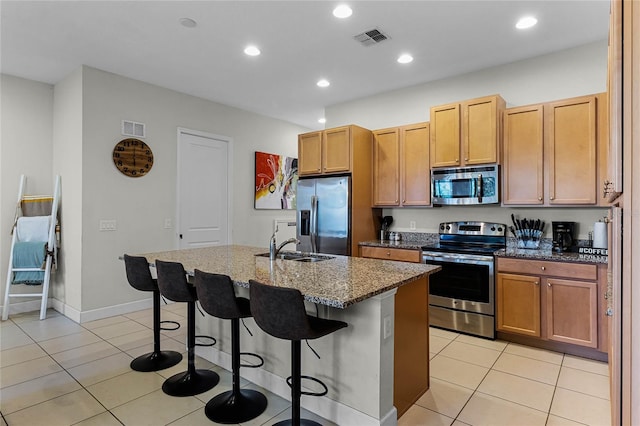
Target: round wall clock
(133, 157)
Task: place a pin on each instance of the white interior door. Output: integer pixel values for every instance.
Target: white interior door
(203, 189)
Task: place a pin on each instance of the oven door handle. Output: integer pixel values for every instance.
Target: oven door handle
(457, 258)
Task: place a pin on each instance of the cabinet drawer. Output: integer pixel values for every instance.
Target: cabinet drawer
(545, 268)
(405, 255)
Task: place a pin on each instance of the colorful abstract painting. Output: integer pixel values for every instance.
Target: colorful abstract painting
(276, 181)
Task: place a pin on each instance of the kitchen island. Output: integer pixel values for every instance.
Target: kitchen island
(383, 302)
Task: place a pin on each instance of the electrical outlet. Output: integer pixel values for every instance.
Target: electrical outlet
(387, 327)
(168, 223)
(108, 225)
(412, 225)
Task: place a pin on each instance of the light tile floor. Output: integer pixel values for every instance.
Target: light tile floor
(57, 372)
(481, 382)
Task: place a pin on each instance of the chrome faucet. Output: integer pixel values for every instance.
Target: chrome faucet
(273, 250)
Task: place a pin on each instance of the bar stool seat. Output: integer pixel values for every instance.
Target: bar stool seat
(172, 281)
(139, 277)
(218, 299)
(280, 312)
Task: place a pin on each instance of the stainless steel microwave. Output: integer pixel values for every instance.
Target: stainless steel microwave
(465, 185)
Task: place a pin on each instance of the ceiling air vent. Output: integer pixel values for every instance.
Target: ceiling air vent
(371, 37)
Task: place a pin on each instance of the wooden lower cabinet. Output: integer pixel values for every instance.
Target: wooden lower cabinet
(572, 311)
(518, 306)
(550, 301)
(404, 255)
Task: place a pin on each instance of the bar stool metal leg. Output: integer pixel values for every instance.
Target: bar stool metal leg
(296, 389)
(156, 360)
(237, 405)
(190, 382)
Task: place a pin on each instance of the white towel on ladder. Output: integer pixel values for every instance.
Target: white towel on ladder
(34, 228)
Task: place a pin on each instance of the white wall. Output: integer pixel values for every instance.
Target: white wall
(72, 129)
(140, 205)
(573, 72)
(25, 148)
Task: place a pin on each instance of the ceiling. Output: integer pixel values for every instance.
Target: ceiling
(301, 42)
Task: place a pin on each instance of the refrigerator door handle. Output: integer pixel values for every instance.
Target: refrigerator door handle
(314, 223)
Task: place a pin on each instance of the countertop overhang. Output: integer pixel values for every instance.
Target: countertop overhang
(338, 282)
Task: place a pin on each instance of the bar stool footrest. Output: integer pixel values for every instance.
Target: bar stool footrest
(313, 379)
(175, 323)
(205, 337)
(255, 356)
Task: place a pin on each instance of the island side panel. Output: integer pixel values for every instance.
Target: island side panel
(356, 362)
(411, 352)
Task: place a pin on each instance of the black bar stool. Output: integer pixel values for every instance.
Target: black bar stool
(139, 277)
(172, 281)
(218, 299)
(280, 312)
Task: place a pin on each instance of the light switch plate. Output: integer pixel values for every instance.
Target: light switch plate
(168, 223)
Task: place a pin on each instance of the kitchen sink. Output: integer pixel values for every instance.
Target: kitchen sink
(298, 257)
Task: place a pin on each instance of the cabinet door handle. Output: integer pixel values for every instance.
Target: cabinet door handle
(536, 282)
(552, 198)
(543, 268)
(548, 284)
(539, 198)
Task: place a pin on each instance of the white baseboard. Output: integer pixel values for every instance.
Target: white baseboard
(79, 316)
(326, 408)
(27, 306)
(110, 311)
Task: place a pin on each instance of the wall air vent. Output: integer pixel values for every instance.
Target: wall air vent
(131, 128)
(371, 37)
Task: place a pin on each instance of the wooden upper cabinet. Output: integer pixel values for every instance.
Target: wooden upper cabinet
(481, 120)
(467, 133)
(415, 177)
(445, 135)
(310, 153)
(572, 151)
(329, 151)
(336, 150)
(386, 167)
(522, 171)
(556, 154)
(401, 175)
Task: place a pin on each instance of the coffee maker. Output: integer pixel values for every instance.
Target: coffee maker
(563, 234)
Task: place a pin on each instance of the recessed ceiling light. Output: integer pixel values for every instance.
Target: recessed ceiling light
(188, 22)
(252, 51)
(526, 22)
(342, 11)
(322, 120)
(323, 83)
(405, 58)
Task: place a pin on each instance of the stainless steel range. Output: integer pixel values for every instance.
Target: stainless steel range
(461, 295)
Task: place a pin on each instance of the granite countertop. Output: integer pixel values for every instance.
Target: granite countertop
(338, 282)
(548, 254)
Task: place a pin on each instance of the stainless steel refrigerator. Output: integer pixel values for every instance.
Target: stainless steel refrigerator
(324, 215)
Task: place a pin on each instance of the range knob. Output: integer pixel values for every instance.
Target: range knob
(448, 227)
(500, 229)
(442, 227)
(493, 228)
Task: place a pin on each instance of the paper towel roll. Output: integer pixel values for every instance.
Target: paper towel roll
(600, 235)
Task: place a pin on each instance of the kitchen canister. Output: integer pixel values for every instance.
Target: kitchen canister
(600, 235)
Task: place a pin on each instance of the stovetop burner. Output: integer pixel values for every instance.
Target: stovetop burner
(470, 237)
